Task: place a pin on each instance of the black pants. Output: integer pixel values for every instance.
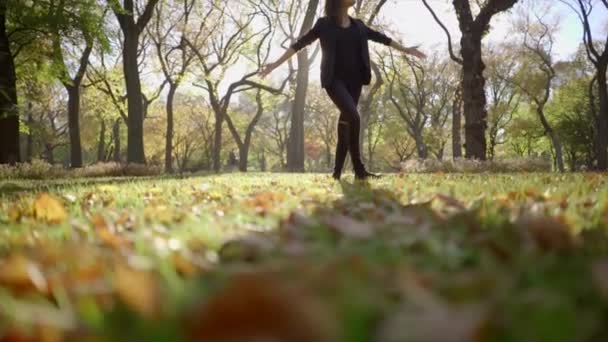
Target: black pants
(345, 95)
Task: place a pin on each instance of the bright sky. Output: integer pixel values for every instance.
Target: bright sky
(413, 24)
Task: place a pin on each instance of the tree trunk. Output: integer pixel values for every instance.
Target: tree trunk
(457, 125)
(420, 146)
(135, 102)
(295, 149)
(74, 126)
(9, 115)
(169, 133)
(116, 137)
(217, 142)
(555, 140)
(48, 153)
(29, 147)
(366, 107)
(474, 97)
(101, 147)
(602, 121)
(243, 157)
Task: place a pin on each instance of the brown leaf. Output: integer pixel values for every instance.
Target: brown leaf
(49, 209)
(426, 317)
(261, 307)
(107, 234)
(246, 248)
(262, 202)
(138, 289)
(21, 274)
(451, 201)
(549, 233)
(349, 227)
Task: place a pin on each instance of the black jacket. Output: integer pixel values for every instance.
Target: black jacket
(326, 30)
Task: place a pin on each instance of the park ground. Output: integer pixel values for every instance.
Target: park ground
(301, 257)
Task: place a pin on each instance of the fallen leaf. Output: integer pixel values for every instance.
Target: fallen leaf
(261, 307)
(247, 248)
(49, 209)
(21, 274)
(548, 233)
(349, 227)
(138, 289)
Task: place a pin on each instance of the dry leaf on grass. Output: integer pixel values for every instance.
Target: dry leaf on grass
(349, 227)
(549, 233)
(21, 274)
(49, 209)
(139, 289)
(261, 307)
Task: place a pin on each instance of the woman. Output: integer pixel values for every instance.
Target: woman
(345, 68)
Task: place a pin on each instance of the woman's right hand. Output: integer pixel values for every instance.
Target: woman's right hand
(267, 69)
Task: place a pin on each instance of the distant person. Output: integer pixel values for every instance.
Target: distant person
(345, 68)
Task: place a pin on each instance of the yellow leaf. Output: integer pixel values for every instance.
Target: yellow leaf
(49, 209)
(138, 289)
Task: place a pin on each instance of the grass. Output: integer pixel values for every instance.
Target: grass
(408, 257)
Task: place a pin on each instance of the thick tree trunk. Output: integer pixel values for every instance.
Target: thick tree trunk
(602, 122)
(217, 142)
(116, 138)
(457, 125)
(421, 148)
(295, 149)
(9, 115)
(243, 157)
(101, 147)
(474, 97)
(169, 133)
(74, 126)
(135, 101)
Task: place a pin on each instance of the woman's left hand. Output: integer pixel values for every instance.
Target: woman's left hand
(415, 52)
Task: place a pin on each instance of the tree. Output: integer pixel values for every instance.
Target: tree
(599, 57)
(504, 98)
(570, 108)
(473, 29)
(174, 58)
(537, 73)
(217, 49)
(132, 30)
(9, 116)
(322, 121)
(295, 147)
(86, 25)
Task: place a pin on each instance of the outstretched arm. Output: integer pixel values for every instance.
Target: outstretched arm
(413, 50)
(303, 41)
(381, 38)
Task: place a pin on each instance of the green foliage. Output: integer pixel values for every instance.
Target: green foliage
(571, 111)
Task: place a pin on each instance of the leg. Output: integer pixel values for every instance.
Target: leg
(341, 146)
(342, 98)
